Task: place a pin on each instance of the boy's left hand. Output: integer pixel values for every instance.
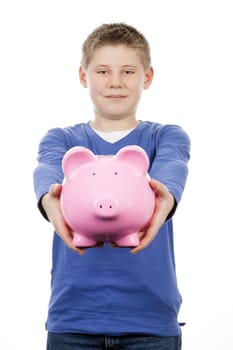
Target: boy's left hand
(164, 204)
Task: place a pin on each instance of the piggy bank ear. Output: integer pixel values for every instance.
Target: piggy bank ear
(136, 156)
(76, 157)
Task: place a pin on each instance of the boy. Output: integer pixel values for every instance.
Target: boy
(108, 298)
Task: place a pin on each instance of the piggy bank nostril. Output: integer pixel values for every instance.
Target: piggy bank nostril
(101, 206)
(106, 208)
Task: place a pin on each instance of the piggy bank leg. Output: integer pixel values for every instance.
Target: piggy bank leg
(81, 241)
(130, 240)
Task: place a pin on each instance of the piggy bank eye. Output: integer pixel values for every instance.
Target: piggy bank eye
(93, 174)
(116, 173)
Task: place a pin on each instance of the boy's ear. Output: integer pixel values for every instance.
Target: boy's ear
(82, 76)
(148, 77)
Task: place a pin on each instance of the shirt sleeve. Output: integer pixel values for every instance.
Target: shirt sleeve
(49, 169)
(170, 163)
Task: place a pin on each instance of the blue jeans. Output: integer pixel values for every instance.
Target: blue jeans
(71, 341)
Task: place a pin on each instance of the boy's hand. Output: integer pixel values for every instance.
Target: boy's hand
(164, 204)
(51, 205)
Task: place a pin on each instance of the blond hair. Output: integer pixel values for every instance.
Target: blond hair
(116, 34)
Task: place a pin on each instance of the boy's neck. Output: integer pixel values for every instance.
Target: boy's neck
(108, 125)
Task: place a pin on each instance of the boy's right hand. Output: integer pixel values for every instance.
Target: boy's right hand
(51, 205)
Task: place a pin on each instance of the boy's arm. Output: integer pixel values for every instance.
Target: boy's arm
(165, 204)
(48, 177)
(169, 173)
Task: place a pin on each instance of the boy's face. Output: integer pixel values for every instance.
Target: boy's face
(115, 78)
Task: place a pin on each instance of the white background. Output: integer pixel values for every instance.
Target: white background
(191, 43)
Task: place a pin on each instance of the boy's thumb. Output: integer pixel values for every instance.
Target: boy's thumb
(55, 189)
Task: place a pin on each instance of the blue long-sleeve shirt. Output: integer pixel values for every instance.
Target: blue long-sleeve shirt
(110, 291)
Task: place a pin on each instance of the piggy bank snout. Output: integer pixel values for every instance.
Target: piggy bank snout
(106, 208)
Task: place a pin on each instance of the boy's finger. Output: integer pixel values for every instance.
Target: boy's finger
(146, 240)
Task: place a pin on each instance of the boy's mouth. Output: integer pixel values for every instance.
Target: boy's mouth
(115, 97)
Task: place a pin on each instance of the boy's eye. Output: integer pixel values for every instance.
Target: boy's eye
(128, 72)
(102, 72)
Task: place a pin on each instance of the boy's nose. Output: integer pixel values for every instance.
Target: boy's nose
(115, 81)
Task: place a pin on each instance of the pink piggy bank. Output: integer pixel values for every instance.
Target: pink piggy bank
(106, 198)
